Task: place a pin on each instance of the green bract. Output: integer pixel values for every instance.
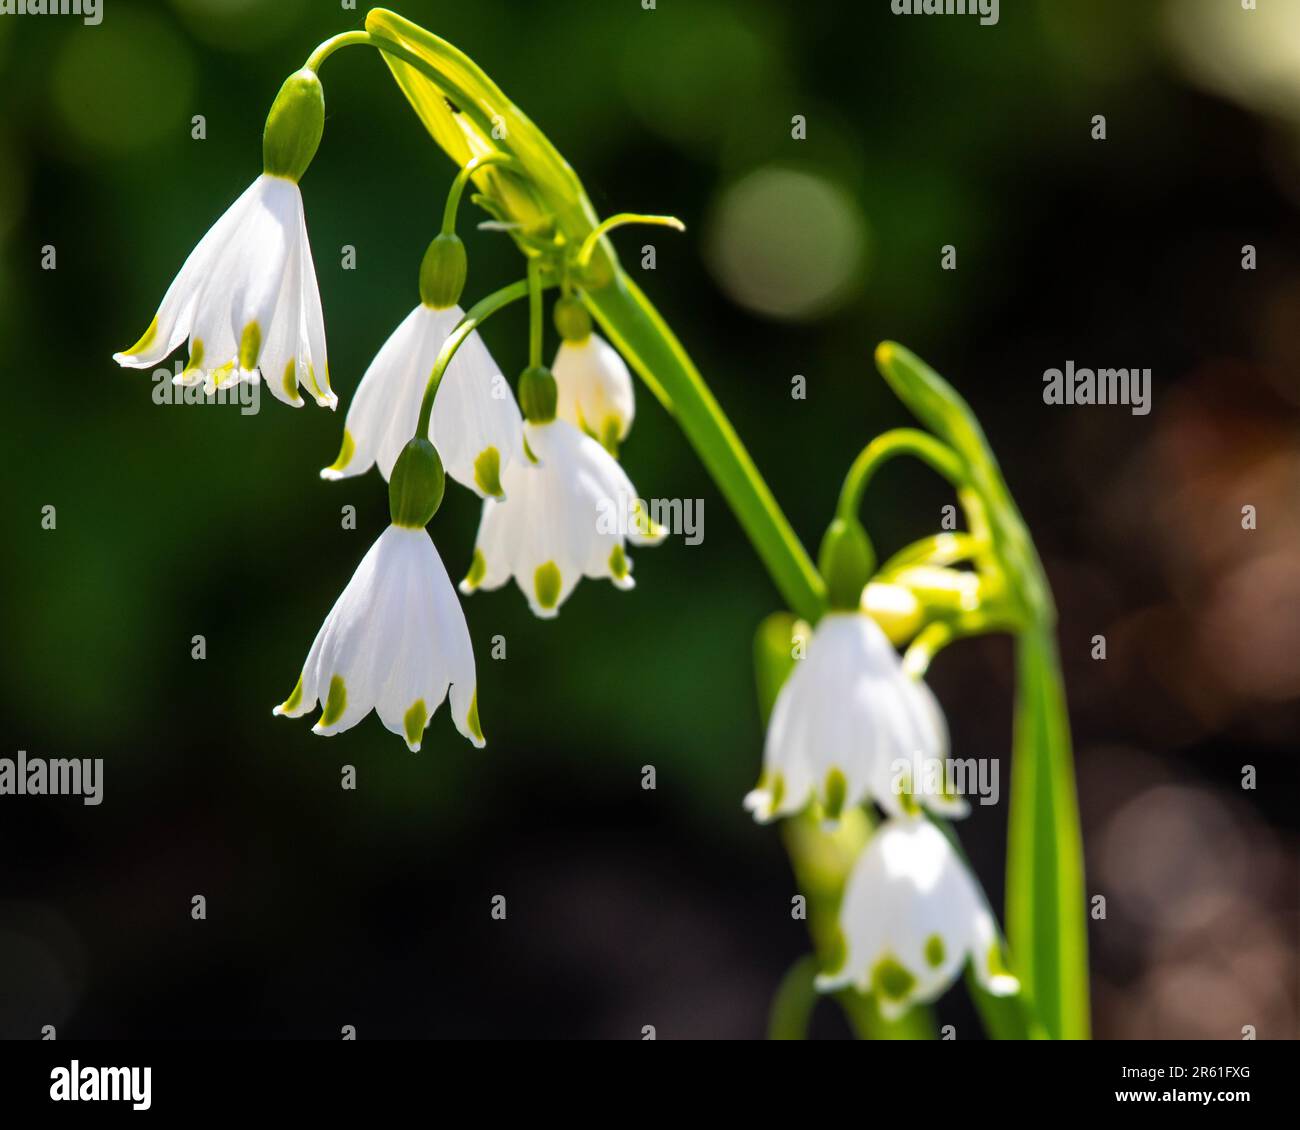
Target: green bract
(416, 487)
(294, 126)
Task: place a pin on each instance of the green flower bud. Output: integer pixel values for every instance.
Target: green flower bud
(846, 561)
(442, 272)
(571, 319)
(416, 485)
(538, 394)
(294, 126)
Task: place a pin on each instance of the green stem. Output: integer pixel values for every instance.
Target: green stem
(477, 314)
(534, 313)
(326, 49)
(1046, 898)
(637, 329)
(622, 219)
(890, 445)
(462, 179)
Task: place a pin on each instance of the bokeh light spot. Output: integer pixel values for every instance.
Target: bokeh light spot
(787, 243)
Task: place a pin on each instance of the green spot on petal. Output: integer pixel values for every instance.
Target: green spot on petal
(609, 436)
(294, 700)
(196, 357)
(346, 451)
(250, 346)
(777, 790)
(413, 722)
(290, 381)
(837, 788)
(997, 962)
(546, 584)
(934, 951)
(477, 569)
(837, 953)
(529, 451)
(146, 339)
(335, 703)
(471, 719)
(891, 980)
(618, 562)
(487, 472)
(219, 375)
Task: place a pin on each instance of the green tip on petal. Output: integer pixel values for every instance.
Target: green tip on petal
(250, 346)
(335, 703)
(891, 980)
(477, 570)
(776, 790)
(546, 584)
(609, 436)
(836, 790)
(471, 719)
(347, 449)
(618, 562)
(997, 962)
(487, 472)
(529, 452)
(934, 951)
(413, 723)
(290, 381)
(145, 341)
(290, 704)
(837, 953)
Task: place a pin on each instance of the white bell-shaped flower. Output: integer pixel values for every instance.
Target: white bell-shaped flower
(850, 726)
(476, 425)
(564, 517)
(595, 389)
(394, 642)
(910, 919)
(247, 300)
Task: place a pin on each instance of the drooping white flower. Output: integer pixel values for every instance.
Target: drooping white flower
(595, 389)
(563, 518)
(910, 919)
(394, 642)
(850, 726)
(475, 425)
(247, 300)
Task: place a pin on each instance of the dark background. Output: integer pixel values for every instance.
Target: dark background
(629, 907)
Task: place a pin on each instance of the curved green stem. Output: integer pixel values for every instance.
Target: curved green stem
(618, 221)
(326, 49)
(890, 445)
(474, 317)
(462, 179)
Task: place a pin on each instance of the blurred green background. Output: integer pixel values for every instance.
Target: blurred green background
(629, 907)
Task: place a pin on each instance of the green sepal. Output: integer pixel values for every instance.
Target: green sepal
(294, 126)
(442, 272)
(416, 487)
(846, 561)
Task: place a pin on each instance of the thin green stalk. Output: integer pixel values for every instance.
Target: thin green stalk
(476, 315)
(535, 326)
(890, 445)
(326, 49)
(462, 178)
